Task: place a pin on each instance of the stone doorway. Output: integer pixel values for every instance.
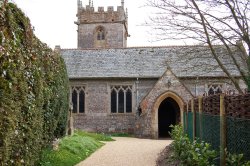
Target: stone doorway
(168, 113)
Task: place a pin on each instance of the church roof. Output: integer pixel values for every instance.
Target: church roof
(146, 62)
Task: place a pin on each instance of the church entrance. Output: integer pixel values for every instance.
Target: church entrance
(168, 113)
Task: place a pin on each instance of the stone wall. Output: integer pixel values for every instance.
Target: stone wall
(98, 116)
(167, 86)
(115, 35)
(105, 122)
(181, 90)
(114, 22)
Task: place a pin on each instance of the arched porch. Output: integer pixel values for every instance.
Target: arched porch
(169, 104)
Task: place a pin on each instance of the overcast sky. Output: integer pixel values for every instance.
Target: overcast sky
(53, 20)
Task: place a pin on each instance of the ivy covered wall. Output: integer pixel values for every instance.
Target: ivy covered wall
(33, 90)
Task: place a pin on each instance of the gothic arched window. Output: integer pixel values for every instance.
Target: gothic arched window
(113, 101)
(214, 89)
(129, 101)
(100, 33)
(74, 100)
(121, 99)
(78, 99)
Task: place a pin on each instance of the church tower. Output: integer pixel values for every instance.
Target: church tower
(101, 29)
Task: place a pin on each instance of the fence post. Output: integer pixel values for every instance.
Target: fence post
(222, 130)
(184, 119)
(187, 118)
(194, 118)
(200, 117)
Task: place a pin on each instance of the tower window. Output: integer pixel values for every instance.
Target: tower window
(100, 33)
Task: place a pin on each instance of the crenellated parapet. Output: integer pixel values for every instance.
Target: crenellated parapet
(101, 27)
(88, 14)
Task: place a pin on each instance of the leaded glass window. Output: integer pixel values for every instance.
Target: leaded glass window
(74, 100)
(78, 99)
(214, 89)
(121, 99)
(113, 101)
(129, 101)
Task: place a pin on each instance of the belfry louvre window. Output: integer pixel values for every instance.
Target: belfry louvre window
(78, 99)
(121, 99)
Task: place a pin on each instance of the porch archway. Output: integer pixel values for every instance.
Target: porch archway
(175, 100)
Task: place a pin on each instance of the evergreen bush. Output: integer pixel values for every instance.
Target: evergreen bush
(33, 90)
(190, 153)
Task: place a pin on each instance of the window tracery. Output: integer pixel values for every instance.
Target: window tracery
(214, 89)
(78, 99)
(121, 99)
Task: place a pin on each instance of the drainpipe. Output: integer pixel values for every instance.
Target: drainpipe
(137, 96)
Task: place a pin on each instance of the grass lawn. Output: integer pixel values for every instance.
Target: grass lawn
(73, 149)
(121, 135)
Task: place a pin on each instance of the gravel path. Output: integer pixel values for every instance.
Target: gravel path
(127, 152)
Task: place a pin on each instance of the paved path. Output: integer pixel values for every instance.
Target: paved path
(127, 152)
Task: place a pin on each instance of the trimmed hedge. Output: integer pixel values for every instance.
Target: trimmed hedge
(33, 90)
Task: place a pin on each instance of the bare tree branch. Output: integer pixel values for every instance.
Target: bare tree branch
(208, 22)
(213, 51)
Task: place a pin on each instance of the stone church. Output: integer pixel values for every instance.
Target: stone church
(138, 90)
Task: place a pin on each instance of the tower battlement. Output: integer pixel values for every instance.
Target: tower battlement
(88, 14)
(88, 8)
(101, 28)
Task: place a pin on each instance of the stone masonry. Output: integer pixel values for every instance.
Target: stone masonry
(97, 116)
(98, 69)
(114, 24)
(153, 74)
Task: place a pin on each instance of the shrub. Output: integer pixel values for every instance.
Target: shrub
(190, 153)
(33, 90)
(236, 160)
